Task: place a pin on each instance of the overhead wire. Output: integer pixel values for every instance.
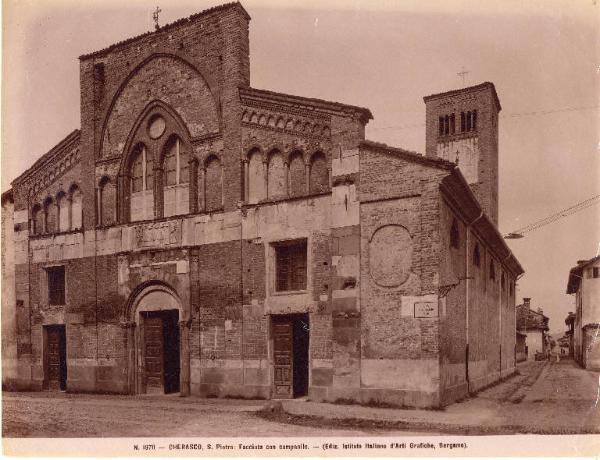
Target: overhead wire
(558, 215)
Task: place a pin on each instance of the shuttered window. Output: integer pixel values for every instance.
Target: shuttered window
(56, 285)
(291, 266)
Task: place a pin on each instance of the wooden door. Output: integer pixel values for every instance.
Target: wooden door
(153, 353)
(283, 358)
(54, 361)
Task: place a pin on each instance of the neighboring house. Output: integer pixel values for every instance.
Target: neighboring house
(521, 347)
(570, 322)
(534, 325)
(584, 282)
(201, 236)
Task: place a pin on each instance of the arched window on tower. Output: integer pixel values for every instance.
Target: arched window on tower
(452, 124)
(462, 122)
(213, 184)
(468, 121)
(441, 126)
(319, 174)
(37, 216)
(63, 212)
(76, 208)
(176, 178)
(446, 125)
(50, 215)
(107, 203)
(142, 185)
(474, 120)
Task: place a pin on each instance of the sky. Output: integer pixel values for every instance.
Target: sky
(542, 56)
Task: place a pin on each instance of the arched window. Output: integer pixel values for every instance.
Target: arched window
(276, 176)
(107, 203)
(76, 208)
(446, 125)
(319, 174)
(176, 178)
(452, 124)
(468, 121)
(50, 215)
(256, 177)
(63, 212)
(474, 121)
(492, 270)
(38, 220)
(441, 126)
(462, 122)
(476, 256)
(454, 235)
(213, 184)
(142, 185)
(297, 175)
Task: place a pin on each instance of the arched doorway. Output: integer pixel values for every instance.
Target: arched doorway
(157, 342)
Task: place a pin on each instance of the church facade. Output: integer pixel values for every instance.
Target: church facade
(200, 236)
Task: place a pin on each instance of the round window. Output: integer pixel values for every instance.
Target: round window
(156, 126)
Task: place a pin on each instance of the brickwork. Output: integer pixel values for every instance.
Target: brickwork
(228, 175)
(482, 99)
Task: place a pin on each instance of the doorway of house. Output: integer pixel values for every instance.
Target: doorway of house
(290, 351)
(55, 358)
(161, 351)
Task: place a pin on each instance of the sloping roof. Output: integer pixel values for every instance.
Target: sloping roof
(457, 190)
(483, 85)
(247, 94)
(409, 155)
(576, 274)
(528, 319)
(167, 27)
(66, 144)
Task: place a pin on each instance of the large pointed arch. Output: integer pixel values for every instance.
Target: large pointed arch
(194, 66)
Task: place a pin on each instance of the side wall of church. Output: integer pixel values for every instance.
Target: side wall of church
(400, 313)
(485, 334)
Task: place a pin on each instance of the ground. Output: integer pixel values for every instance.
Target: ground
(544, 397)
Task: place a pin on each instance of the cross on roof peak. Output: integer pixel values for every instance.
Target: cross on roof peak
(155, 17)
(463, 73)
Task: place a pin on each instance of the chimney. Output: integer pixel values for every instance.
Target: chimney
(540, 311)
(526, 301)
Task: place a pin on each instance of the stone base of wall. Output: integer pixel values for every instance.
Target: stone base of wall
(591, 348)
(454, 393)
(214, 390)
(376, 396)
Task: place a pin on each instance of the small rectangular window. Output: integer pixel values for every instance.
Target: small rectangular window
(56, 285)
(595, 272)
(290, 266)
(441, 126)
(474, 120)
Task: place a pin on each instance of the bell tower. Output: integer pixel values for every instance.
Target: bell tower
(462, 127)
